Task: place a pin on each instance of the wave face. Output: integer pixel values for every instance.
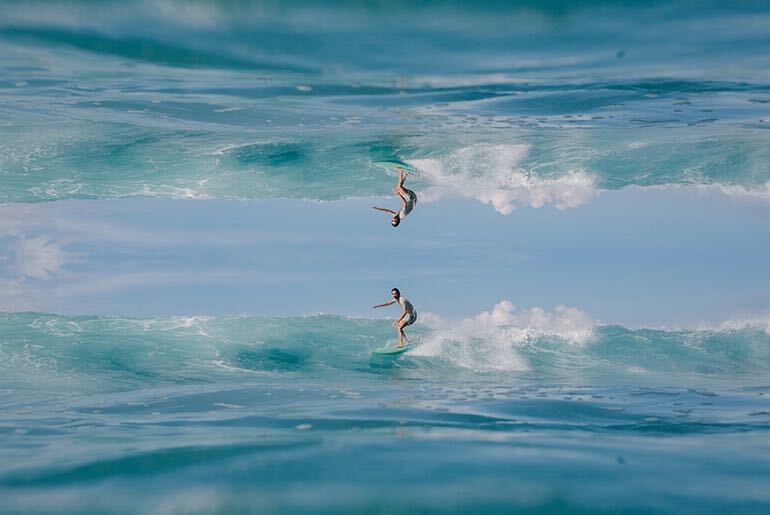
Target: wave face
(268, 414)
(538, 105)
(39, 349)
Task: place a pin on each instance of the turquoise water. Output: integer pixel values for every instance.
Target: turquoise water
(247, 414)
(534, 104)
(274, 99)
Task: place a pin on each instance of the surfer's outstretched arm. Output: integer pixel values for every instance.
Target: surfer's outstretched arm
(385, 304)
(385, 210)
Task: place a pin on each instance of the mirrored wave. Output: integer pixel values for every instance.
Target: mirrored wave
(522, 105)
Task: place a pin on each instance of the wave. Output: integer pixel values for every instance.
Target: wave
(140, 49)
(492, 175)
(563, 171)
(42, 351)
(224, 100)
(494, 340)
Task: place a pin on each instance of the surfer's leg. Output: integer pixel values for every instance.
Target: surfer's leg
(402, 324)
(400, 331)
(399, 189)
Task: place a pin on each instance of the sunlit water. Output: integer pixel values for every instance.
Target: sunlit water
(511, 106)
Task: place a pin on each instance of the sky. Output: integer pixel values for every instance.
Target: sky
(636, 257)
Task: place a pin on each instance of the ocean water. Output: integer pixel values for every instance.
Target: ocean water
(543, 102)
(514, 105)
(256, 414)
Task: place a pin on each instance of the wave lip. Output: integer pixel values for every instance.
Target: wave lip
(503, 175)
(740, 324)
(493, 340)
(492, 175)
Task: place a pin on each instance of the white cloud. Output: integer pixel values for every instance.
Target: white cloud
(90, 231)
(15, 295)
(17, 219)
(492, 175)
(41, 257)
(101, 284)
(492, 339)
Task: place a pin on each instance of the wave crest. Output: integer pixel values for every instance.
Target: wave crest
(492, 175)
(492, 339)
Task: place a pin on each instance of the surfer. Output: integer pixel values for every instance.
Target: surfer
(408, 316)
(408, 200)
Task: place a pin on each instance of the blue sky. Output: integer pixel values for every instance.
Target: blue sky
(632, 257)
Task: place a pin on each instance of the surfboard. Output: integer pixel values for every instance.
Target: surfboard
(392, 350)
(393, 164)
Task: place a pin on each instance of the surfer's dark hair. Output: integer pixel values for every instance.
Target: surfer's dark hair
(396, 290)
(395, 221)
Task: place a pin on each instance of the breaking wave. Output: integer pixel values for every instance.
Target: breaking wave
(104, 353)
(221, 100)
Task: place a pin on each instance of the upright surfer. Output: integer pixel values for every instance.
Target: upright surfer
(408, 200)
(408, 316)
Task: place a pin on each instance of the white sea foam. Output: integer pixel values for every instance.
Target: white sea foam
(173, 323)
(16, 219)
(490, 340)
(17, 295)
(233, 146)
(759, 192)
(757, 321)
(492, 174)
(754, 322)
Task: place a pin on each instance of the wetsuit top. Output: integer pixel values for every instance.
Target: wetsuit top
(408, 308)
(408, 204)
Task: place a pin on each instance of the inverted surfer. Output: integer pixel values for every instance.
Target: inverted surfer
(408, 200)
(408, 315)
